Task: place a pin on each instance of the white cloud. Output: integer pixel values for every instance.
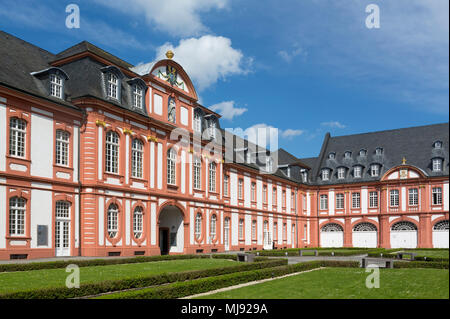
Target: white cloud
(206, 59)
(333, 124)
(289, 56)
(227, 109)
(177, 17)
(289, 133)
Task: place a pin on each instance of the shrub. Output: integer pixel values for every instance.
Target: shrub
(138, 282)
(421, 264)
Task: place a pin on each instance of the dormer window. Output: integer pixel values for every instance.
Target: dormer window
(437, 145)
(357, 172)
(138, 93)
(378, 151)
(304, 176)
(362, 152)
(269, 164)
(56, 86)
(113, 84)
(288, 172)
(212, 129)
(246, 156)
(341, 173)
(332, 156)
(374, 170)
(437, 164)
(325, 174)
(197, 122)
(347, 154)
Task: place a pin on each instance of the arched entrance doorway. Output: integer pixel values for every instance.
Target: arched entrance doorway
(404, 235)
(171, 230)
(365, 235)
(332, 235)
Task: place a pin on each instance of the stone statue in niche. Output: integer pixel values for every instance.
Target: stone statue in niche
(171, 111)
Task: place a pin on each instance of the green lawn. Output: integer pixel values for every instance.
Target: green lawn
(348, 283)
(430, 253)
(29, 280)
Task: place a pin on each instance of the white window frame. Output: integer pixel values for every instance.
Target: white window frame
(241, 229)
(213, 227)
(394, 198)
(341, 173)
(171, 167)
(17, 137)
(137, 158)
(198, 226)
(113, 86)
(374, 170)
(226, 179)
(197, 122)
(62, 148)
(253, 192)
(112, 152)
(373, 199)
(356, 200)
(197, 170)
(323, 202)
(240, 188)
(357, 172)
(264, 194)
(138, 222)
(253, 230)
(212, 177)
(437, 165)
(437, 196)
(340, 201)
(413, 197)
(56, 86)
(325, 174)
(138, 96)
(17, 216)
(113, 220)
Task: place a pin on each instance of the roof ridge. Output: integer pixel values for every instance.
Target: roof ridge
(392, 130)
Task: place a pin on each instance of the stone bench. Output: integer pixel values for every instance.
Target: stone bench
(383, 263)
(316, 252)
(400, 255)
(245, 257)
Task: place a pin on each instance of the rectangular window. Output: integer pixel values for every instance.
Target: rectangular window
(62, 148)
(356, 200)
(241, 229)
(171, 169)
(275, 231)
(17, 216)
(373, 199)
(137, 155)
(341, 173)
(357, 171)
(197, 173)
(137, 96)
(394, 198)
(293, 202)
(112, 153)
(323, 202)
(413, 198)
(339, 201)
(325, 174)
(225, 185)
(437, 164)
(374, 170)
(197, 122)
(240, 191)
(254, 230)
(17, 132)
(284, 198)
(437, 196)
(265, 194)
(253, 192)
(304, 202)
(56, 86)
(284, 232)
(212, 177)
(112, 86)
(274, 196)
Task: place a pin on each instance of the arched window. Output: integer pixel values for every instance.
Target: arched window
(198, 226)
(138, 222)
(212, 177)
(404, 226)
(442, 225)
(171, 171)
(213, 227)
(17, 132)
(62, 148)
(112, 153)
(113, 222)
(138, 93)
(137, 154)
(332, 227)
(113, 85)
(62, 209)
(197, 172)
(56, 86)
(365, 227)
(17, 208)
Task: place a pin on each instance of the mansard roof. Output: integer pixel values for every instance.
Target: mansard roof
(415, 144)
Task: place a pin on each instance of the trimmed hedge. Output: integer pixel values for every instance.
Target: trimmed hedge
(102, 262)
(295, 252)
(421, 264)
(183, 289)
(138, 282)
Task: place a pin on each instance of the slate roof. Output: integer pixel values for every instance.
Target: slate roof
(413, 143)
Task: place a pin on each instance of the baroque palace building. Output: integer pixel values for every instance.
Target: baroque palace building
(89, 166)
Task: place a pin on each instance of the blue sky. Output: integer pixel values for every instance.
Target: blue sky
(305, 67)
